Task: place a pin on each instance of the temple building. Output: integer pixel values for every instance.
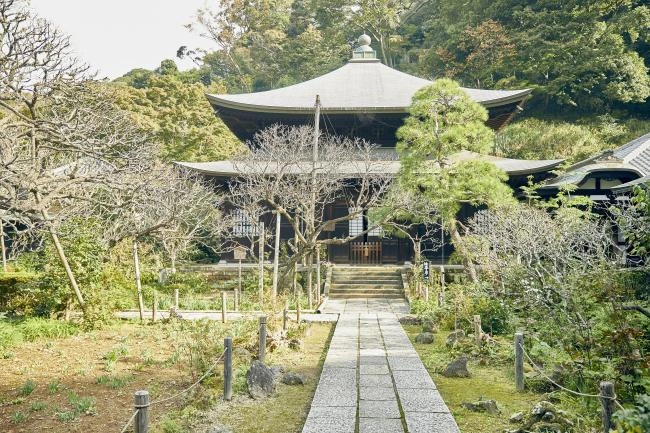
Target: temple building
(369, 100)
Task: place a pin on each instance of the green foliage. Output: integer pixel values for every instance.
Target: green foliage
(38, 406)
(636, 419)
(178, 115)
(638, 235)
(496, 317)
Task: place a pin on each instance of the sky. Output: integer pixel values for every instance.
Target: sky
(115, 36)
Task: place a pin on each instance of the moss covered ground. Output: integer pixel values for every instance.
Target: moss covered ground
(494, 382)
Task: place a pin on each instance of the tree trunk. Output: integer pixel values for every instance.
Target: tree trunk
(68, 269)
(260, 278)
(138, 285)
(276, 258)
(3, 248)
(318, 276)
(458, 243)
(310, 284)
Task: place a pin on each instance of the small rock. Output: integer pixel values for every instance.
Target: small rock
(455, 336)
(489, 406)
(428, 326)
(277, 371)
(409, 319)
(457, 368)
(291, 378)
(260, 380)
(516, 417)
(424, 338)
(295, 344)
(219, 429)
(242, 353)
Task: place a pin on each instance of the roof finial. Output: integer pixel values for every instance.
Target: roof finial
(364, 51)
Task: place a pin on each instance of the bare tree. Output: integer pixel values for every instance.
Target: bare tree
(282, 175)
(167, 205)
(61, 137)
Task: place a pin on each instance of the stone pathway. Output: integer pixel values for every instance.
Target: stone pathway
(373, 380)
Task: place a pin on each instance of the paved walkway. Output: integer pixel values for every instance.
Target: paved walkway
(373, 380)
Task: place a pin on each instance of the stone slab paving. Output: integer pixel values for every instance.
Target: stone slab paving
(373, 380)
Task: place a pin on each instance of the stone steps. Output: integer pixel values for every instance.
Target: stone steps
(366, 282)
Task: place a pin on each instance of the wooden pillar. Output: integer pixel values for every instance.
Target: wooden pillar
(154, 309)
(318, 275)
(478, 331)
(3, 248)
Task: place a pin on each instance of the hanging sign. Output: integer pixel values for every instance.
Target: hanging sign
(425, 271)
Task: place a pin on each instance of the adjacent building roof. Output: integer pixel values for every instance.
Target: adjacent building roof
(514, 167)
(633, 157)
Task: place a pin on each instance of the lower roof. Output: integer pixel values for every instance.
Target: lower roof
(234, 168)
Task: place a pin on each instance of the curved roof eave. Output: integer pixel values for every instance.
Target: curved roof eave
(225, 102)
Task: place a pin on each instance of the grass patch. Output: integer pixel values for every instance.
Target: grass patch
(18, 417)
(15, 332)
(488, 382)
(28, 388)
(37, 406)
(115, 382)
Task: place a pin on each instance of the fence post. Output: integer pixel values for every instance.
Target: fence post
(607, 396)
(141, 404)
(426, 291)
(224, 307)
(478, 332)
(227, 369)
(154, 309)
(262, 343)
(285, 317)
(176, 299)
(236, 299)
(519, 361)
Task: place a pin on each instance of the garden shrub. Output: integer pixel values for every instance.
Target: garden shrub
(636, 419)
(495, 315)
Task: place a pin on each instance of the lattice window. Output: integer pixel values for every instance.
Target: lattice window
(355, 225)
(242, 223)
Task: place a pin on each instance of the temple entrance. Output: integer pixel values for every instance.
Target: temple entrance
(365, 253)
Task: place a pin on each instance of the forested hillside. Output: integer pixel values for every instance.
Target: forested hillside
(587, 61)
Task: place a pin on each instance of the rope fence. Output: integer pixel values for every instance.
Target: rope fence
(140, 417)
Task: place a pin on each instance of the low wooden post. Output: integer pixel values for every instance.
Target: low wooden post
(441, 297)
(262, 342)
(238, 290)
(478, 331)
(227, 369)
(607, 396)
(236, 300)
(285, 317)
(176, 299)
(224, 307)
(154, 309)
(426, 292)
(141, 404)
(519, 361)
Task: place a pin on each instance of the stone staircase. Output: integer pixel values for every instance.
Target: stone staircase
(366, 282)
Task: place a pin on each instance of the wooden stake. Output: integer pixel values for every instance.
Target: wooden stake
(478, 331)
(227, 369)
(176, 299)
(607, 401)
(3, 248)
(285, 316)
(262, 339)
(224, 307)
(141, 404)
(519, 361)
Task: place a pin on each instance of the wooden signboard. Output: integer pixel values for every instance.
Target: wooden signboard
(239, 253)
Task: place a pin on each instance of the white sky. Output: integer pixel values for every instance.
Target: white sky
(115, 36)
